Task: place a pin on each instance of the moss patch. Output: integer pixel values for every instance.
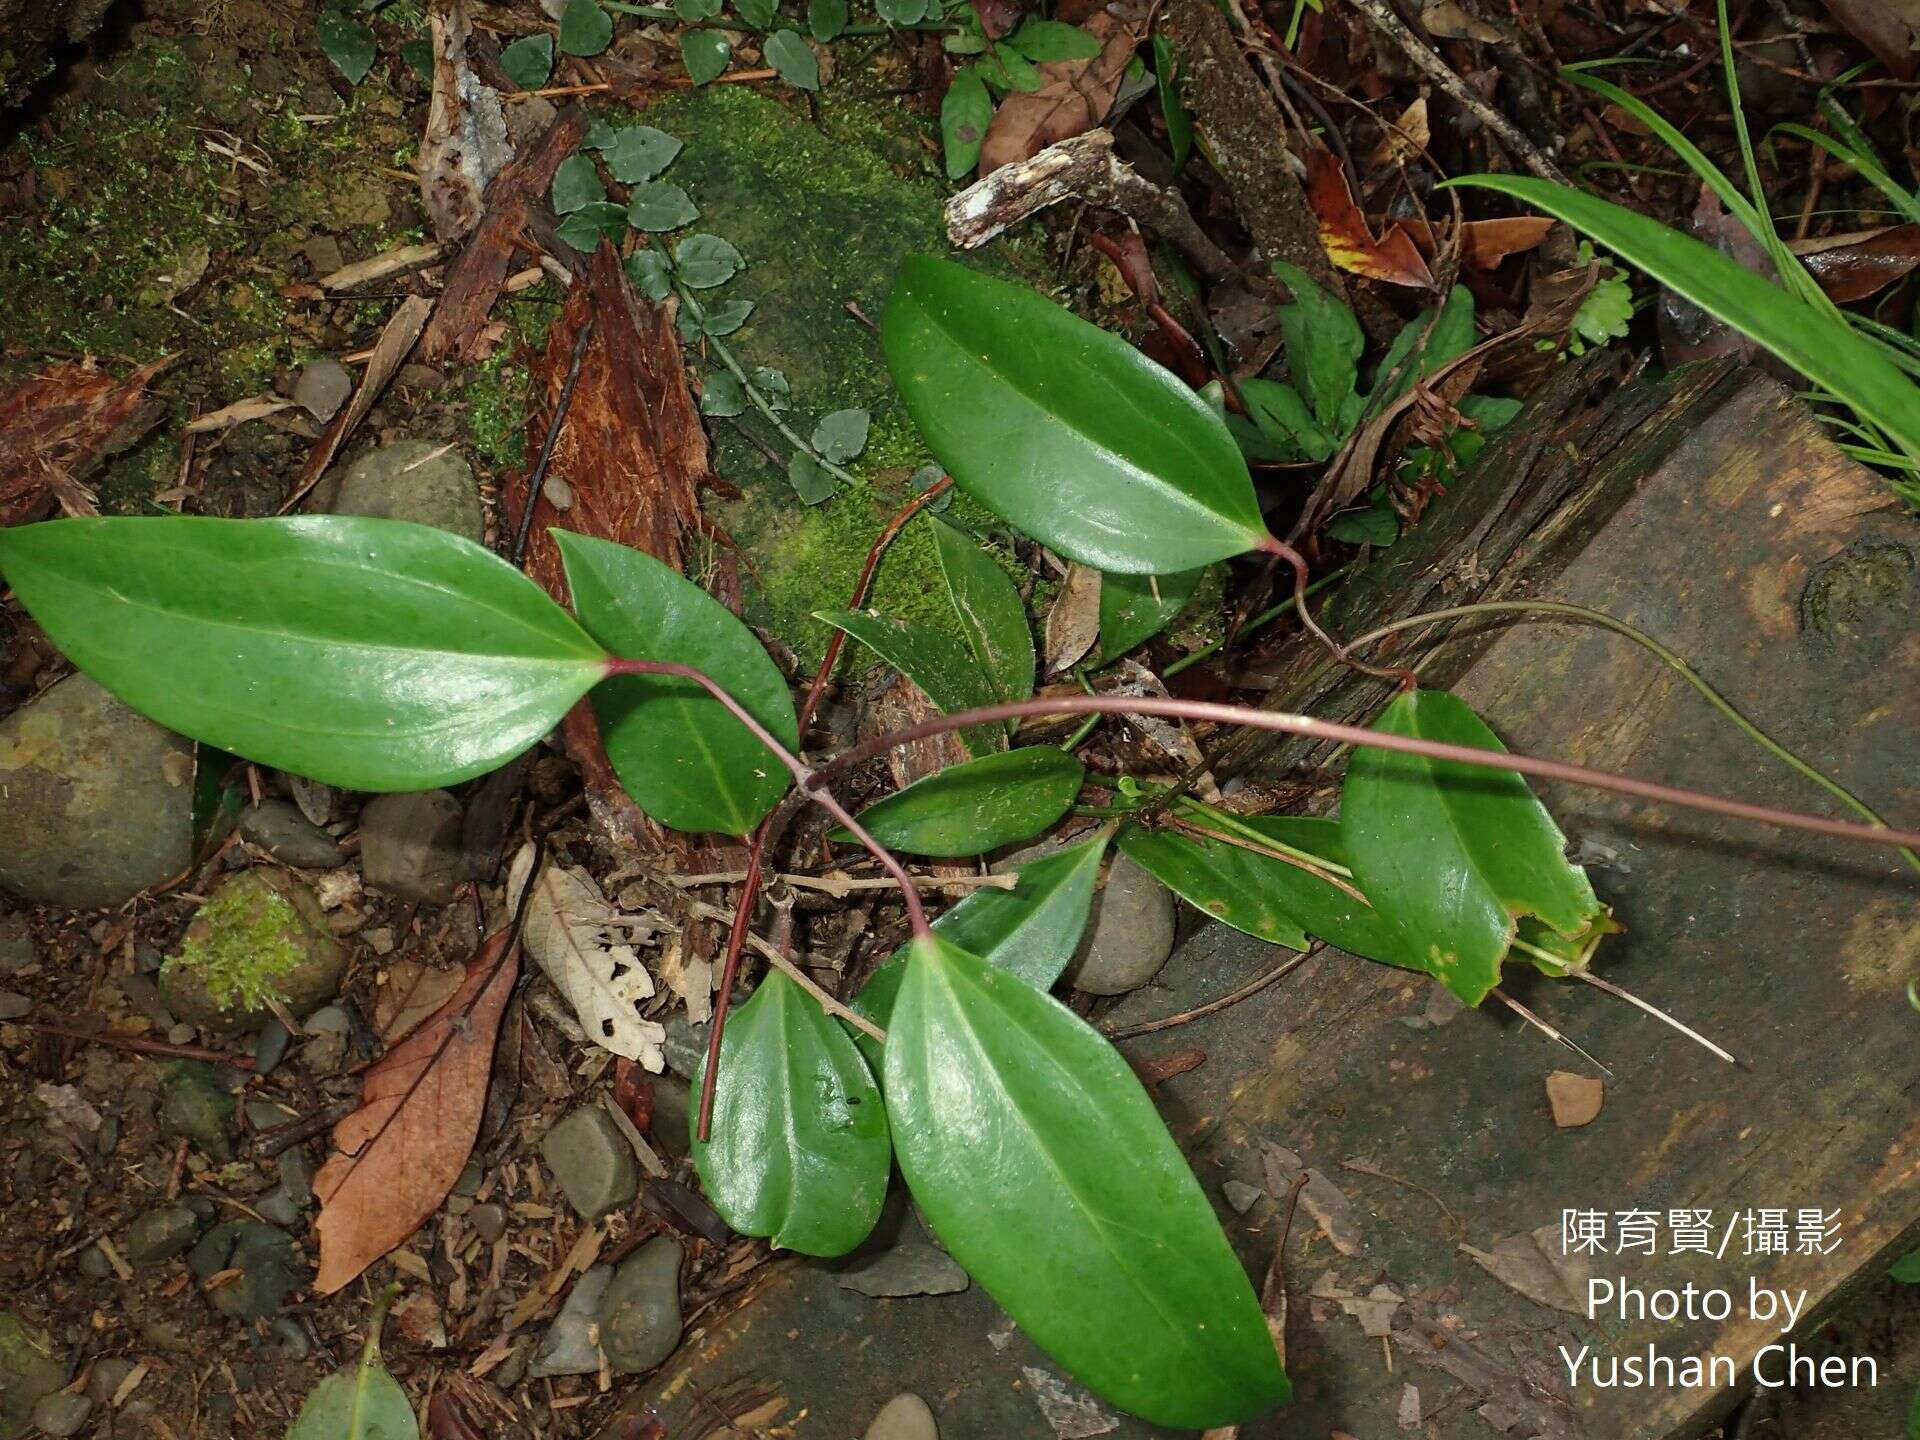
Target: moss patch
(245, 940)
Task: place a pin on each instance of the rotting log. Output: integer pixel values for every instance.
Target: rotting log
(1709, 510)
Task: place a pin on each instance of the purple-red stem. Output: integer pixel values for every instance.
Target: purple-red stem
(1400, 675)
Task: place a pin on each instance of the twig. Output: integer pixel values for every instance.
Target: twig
(1545, 1029)
(1657, 1013)
(842, 885)
(1427, 59)
(139, 1045)
(1212, 1007)
(538, 476)
(1367, 1167)
(827, 1003)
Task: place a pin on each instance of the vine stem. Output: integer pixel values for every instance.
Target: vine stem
(1399, 674)
(1667, 656)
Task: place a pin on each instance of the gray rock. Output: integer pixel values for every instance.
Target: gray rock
(296, 1173)
(144, 996)
(270, 1047)
(672, 1123)
(99, 799)
(400, 482)
(326, 1044)
(278, 827)
(260, 933)
(1241, 1196)
(640, 1318)
(570, 1346)
(156, 1236)
(1129, 934)
(29, 1371)
(62, 1415)
(471, 1174)
(193, 1105)
(17, 948)
(94, 1264)
(512, 1370)
(289, 1339)
(13, 1005)
(685, 1046)
(489, 1222)
(279, 1207)
(323, 254)
(907, 1269)
(266, 1115)
(904, 1417)
(264, 1256)
(108, 1375)
(592, 1162)
(410, 846)
(323, 387)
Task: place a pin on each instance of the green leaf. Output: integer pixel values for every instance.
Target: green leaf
(937, 663)
(993, 620)
(647, 269)
(1451, 854)
(773, 387)
(965, 113)
(1825, 350)
(1323, 343)
(977, 806)
(694, 11)
(1135, 608)
(1607, 312)
(705, 261)
(1375, 523)
(585, 29)
(589, 225)
(417, 55)
(721, 394)
(1218, 879)
(842, 435)
(793, 59)
(528, 61)
(1906, 1269)
(727, 318)
(757, 13)
(1013, 70)
(706, 54)
(364, 1403)
(348, 43)
(638, 153)
(811, 480)
(901, 12)
(826, 19)
(1031, 930)
(576, 184)
(1065, 431)
(660, 206)
(1094, 1235)
(1043, 40)
(369, 654)
(1452, 337)
(1172, 111)
(798, 1150)
(685, 760)
(1279, 414)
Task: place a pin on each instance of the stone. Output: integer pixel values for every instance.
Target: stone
(29, 1372)
(156, 1236)
(14, 1005)
(279, 1207)
(512, 1370)
(323, 387)
(640, 1317)
(325, 1047)
(289, 1339)
(270, 1047)
(1240, 1196)
(489, 1222)
(264, 1256)
(672, 1121)
(685, 1046)
(911, 1268)
(904, 1417)
(62, 1415)
(94, 1264)
(592, 1162)
(571, 1346)
(295, 1167)
(278, 827)
(108, 1375)
(99, 799)
(423, 481)
(260, 933)
(144, 996)
(410, 846)
(193, 1104)
(17, 947)
(1129, 933)
(323, 254)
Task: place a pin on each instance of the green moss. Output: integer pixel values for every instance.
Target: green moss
(245, 938)
(495, 401)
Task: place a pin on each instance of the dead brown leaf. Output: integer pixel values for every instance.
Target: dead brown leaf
(398, 1155)
(1855, 265)
(1073, 624)
(390, 351)
(1888, 28)
(255, 407)
(465, 144)
(1405, 137)
(1575, 1099)
(58, 425)
(1074, 96)
(412, 992)
(1535, 1263)
(1350, 244)
(1484, 243)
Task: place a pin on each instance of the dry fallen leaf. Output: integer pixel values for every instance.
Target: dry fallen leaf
(397, 339)
(255, 407)
(1484, 243)
(585, 947)
(398, 1155)
(1350, 245)
(1073, 624)
(412, 992)
(1074, 96)
(1405, 138)
(1536, 1265)
(1855, 265)
(1449, 21)
(1575, 1098)
(1319, 1197)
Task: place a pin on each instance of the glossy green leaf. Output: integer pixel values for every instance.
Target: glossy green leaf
(1179, 123)
(1906, 1269)
(706, 54)
(798, 1150)
(1135, 608)
(1452, 335)
(977, 806)
(1042, 41)
(1824, 349)
(348, 43)
(361, 1403)
(725, 319)
(1219, 879)
(369, 654)
(992, 618)
(660, 205)
(638, 153)
(1278, 412)
(793, 59)
(1093, 1235)
(937, 663)
(757, 13)
(722, 394)
(826, 19)
(685, 760)
(1010, 70)
(694, 11)
(1031, 930)
(1450, 854)
(1323, 343)
(1064, 430)
(585, 29)
(965, 112)
(528, 61)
